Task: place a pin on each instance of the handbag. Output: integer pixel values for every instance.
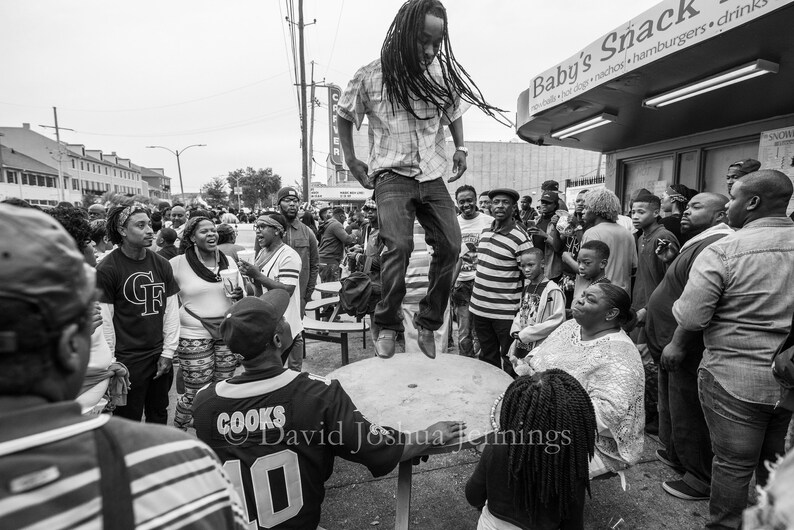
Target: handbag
(211, 324)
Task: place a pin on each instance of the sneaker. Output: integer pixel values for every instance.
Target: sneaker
(385, 344)
(427, 342)
(661, 456)
(682, 490)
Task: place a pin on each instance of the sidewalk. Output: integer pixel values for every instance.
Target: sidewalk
(356, 500)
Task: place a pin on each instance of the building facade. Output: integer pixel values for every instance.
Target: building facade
(158, 183)
(515, 164)
(26, 178)
(85, 174)
(675, 95)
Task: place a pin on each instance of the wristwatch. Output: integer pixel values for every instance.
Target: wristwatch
(464, 150)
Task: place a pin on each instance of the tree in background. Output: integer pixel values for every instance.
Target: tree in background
(259, 186)
(215, 194)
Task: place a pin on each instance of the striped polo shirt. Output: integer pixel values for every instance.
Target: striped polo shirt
(499, 280)
(51, 476)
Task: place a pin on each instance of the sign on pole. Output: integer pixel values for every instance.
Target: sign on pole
(334, 148)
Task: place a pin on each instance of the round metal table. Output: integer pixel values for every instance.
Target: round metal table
(410, 392)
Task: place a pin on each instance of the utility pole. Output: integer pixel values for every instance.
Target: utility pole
(237, 190)
(310, 151)
(61, 189)
(302, 97)
(304, 143)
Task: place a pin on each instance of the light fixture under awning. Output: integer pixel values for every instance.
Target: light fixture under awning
(729, 77)
(582, 126)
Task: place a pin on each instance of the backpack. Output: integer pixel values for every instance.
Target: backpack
(355, 292)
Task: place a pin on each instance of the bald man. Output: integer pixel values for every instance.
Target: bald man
(738, 295)
(682, 427)
(178, 216)
(178, 219)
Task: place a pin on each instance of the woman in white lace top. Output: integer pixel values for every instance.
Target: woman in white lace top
(594, 349)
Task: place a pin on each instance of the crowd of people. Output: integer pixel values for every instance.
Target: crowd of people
(664, 322)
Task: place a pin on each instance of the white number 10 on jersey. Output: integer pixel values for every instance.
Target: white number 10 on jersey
(267, 518)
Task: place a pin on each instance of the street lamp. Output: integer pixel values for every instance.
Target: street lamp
(178, 165)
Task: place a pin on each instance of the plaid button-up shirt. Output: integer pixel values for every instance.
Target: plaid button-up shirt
(398, 141)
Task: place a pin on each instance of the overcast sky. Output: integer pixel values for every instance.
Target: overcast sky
(125, 75)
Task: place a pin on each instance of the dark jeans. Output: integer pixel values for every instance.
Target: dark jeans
(146, 395)
(495, 341)
(329, 272)
(682, 426)
(468, 345)
(743, 436)
(400, 201)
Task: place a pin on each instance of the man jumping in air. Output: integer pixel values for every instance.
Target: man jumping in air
(407, 95)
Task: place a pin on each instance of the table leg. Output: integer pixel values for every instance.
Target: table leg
(343, 337)
(335, 312)
(404, 476)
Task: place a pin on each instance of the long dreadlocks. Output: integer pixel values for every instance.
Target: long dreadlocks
(403, 76)
(547, 402)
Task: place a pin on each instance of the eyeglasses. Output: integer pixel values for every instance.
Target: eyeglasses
(261, 226)
(290, 201)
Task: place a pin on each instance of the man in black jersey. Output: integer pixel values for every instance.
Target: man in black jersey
(277, 431)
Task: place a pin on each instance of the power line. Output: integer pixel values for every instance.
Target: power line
(336, 33)
(226, 126)
(157, 107)
(293, 75)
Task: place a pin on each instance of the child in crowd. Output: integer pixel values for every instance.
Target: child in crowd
(645, 210)
(542, 308)
(165, 240)
(650, 267)
(535, 474)
(592, 261)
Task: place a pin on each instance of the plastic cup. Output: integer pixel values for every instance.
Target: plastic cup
(246, 255)
(230, 280)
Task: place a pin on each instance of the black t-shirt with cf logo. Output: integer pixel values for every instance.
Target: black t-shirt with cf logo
(138, 290)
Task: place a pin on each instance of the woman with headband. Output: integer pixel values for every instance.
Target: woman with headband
(277, 266)
(140, 312)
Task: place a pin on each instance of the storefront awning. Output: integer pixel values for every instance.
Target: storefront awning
(674, 44)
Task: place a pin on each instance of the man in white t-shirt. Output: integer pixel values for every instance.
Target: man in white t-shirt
(472, 222)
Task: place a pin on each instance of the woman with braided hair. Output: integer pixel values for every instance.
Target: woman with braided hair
(535, 474)
(408, 95)
(202, 358)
